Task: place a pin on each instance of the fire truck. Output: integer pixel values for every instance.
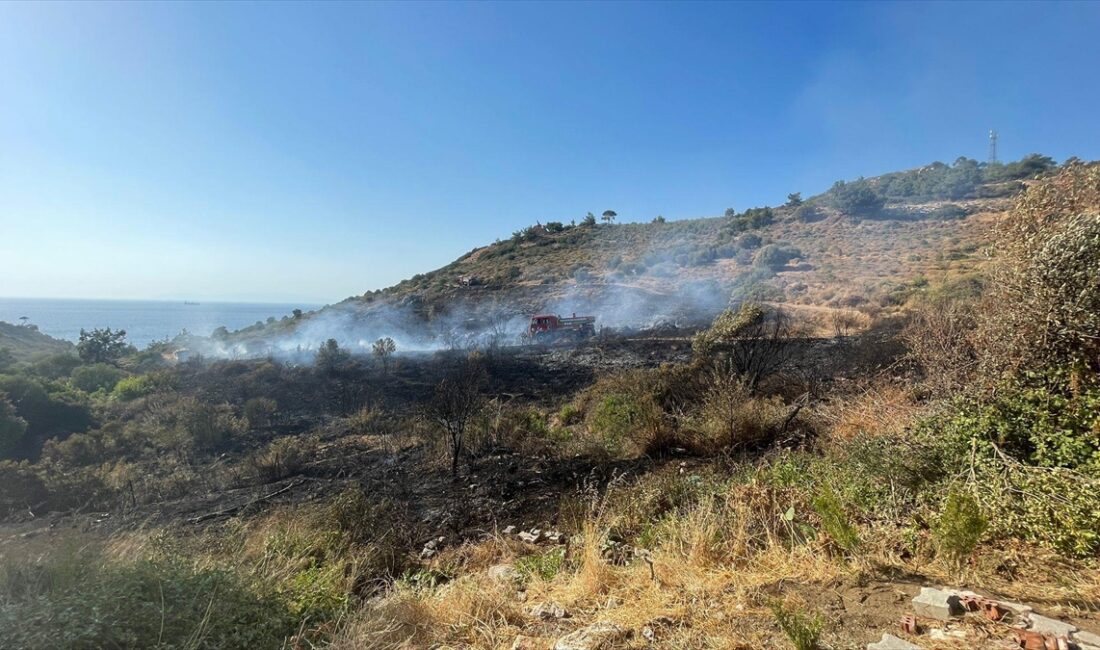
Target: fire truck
(550, 328)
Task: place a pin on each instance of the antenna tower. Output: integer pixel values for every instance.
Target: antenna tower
(992, 147)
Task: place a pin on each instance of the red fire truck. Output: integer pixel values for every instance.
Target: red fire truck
(551, 328)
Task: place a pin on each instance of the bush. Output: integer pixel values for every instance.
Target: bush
(949, 212)
(807, 213)
(960, 527)
(282, 458)
(803, 631)
(86, 602)
(834, 521)
(258, 411)
(23, 490)
(12, 427)
(96, 377)
(132, 388)
(856, 199)
(774, 256)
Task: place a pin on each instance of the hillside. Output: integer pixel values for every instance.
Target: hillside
(864, 245)
(25, 343)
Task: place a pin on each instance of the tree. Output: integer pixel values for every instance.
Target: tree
(102, 345)
(589, 220)
(608, 216)
(856, 198)
(384, 349)
(7, 359)
(658, 219)
(730, 213)
(794, 199)
(457, 401)
(297, 313)
(754, 341)
(12, 427)
(330, 356)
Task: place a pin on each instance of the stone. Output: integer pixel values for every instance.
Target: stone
(598, 636)
(503, 573)
(509, 530)
(1086, 638)
(530, 538)
(940, 605)
(530, 643)
(549, 611)
(1019, 609)
(891, 642)
(1050, 626)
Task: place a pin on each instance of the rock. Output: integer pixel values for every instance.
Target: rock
(891, 642)
(598, 636)
(509, 530)
(549, 611)
(1019, 609)
(1050, 626)
(503, 573)
(933, 603)
(530, 538)
(1081, 636)
(530, 643)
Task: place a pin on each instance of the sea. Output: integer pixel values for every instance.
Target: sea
(145, 321)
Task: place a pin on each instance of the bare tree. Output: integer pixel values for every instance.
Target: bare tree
(457, 401)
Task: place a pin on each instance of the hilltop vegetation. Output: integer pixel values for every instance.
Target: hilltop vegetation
(25, 342)
(773, 480)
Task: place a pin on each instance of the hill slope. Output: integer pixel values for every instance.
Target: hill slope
(26, 343)
(861, 244)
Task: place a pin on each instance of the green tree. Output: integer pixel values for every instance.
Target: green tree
(609, 216)
(794, 199)
(102, 345)
(330, 356)
(7, 359)
(97, 376)
(589, 219)
(12, 427)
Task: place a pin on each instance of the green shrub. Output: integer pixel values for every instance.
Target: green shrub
(834, 521)
(82, 601)
(804, 632)
(131, 388)
(570, 414)
(543, 566)
(960, 527)
(12, 427)
(774, 256)
(95, 377)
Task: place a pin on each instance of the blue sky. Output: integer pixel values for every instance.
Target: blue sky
(283, 152)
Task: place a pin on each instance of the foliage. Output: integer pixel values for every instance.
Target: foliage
(96, 377)
(136, 386)
(834, 520)
(754, 341)
(960, 527)
(543, 566)
(331, 357)
(794, 199)
(383, 349)
(102, 345)
(12, 427)
(282, 458)
(857, 198)
(804, 632)
(259, 411)
(7, 359)
(774, 256)
(55, 366)
(83, 601)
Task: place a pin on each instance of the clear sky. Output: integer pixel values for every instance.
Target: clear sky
(309, 152)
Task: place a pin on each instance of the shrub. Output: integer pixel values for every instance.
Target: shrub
(86, 602)
(804, 632)
(949, 212)
(543, 566)
(258, 411)
(808, 213)
(856, 198)
(12, 427)
(570, 414)
(960, 527)
(132, 388)
(834, 521)
(774, 256)
(96, 377)
(23, 490)
(282, 458)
